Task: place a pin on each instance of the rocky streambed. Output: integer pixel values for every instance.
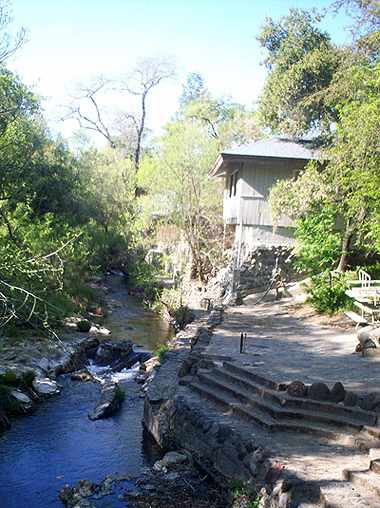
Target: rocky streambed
(63, 437)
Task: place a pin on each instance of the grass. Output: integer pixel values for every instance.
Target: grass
(160, 352)
(119, 393)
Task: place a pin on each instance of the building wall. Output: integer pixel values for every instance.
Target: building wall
(246, 202)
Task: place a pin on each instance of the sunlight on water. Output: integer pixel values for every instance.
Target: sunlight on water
(104, 373)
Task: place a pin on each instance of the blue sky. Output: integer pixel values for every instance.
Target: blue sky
(74, 40)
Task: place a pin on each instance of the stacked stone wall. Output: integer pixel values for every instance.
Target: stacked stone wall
(263, 266)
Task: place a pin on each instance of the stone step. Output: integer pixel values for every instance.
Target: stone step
(248, 374)
(249, 380)
(341, 494)
(368, 480)
(375, 466)
(372, 431)
(275, 411)
(263, 419)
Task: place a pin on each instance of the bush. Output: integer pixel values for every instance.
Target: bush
(327, 292)
(171, 299)
(318, 244)
(28, 377)
(9, 378)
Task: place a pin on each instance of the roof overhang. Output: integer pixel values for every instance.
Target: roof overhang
(224, 160)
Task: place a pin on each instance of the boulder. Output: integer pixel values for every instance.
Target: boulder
(85, 488)
(337, 393)
(319, 391)
(370, 350)
(350, 399)
(364, 333)
(170, 459)
(25, 401)
(110, 352)
(83, 375)
(296, 389)
(374, 336)
(111, 399)
(370, 401)
(46, 387)
(66, 495)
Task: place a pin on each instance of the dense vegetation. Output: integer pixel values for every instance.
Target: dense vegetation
(335, 90)
(69, 210)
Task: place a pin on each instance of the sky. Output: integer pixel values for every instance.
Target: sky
(73, 41)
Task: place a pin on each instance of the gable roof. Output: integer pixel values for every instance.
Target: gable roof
(275, 148)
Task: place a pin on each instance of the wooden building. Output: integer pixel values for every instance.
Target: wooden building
(249, 172)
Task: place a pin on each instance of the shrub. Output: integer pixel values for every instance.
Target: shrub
(10, 378)
(28, 377)
(327, 292)
(239, 490)
(171, 299)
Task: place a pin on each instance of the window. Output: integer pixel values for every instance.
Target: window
(233, 183)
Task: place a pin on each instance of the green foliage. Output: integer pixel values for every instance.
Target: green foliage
(15, 408)
(239, 490)
(28, 377)
(8, 380)
(356, 155)
(327, 292)
(119, 393)
(193, 89)
(178, 181)
(318, 244)
(172, 300)
(299, 196)
(11, 378)
(4, 392)
(160, 352)
(84, 326)
(302, 61)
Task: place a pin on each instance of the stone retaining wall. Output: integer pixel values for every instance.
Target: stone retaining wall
(261, 265)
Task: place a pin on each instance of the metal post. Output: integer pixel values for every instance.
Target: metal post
(243, 337)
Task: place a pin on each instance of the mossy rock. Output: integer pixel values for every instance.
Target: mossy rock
(84, 326)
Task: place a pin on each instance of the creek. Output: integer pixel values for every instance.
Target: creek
(58, 444)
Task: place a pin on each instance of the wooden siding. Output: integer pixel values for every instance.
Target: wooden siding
(250, 206)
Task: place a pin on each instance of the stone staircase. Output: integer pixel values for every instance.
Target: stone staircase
(263, 403)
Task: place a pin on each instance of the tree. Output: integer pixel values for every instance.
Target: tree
(177, 179)
(230, 123)
(193, 90)
(302, 62)
(355, 157)
(127, 128)
(9, 44)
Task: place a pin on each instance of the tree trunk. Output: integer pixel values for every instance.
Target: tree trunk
(345, 243)
(350, 231)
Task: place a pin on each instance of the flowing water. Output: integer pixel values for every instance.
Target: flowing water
(58, 444)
